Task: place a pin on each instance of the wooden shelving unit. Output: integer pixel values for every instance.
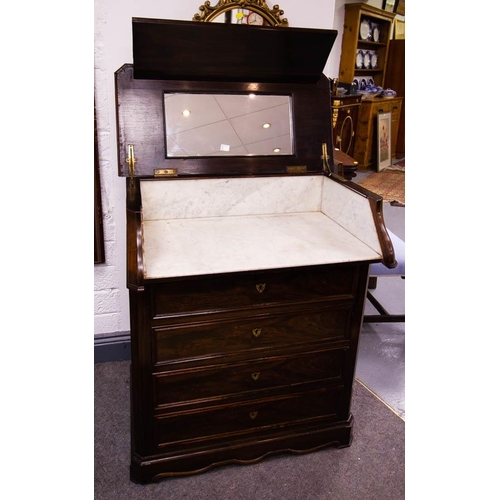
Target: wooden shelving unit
(355, 15)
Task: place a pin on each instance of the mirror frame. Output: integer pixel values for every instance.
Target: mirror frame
(273, 16)
(170, 56)
(141, 101)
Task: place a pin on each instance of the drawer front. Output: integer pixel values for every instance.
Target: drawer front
(223, 337)
(233, 420)
(347, 100)
(246, 290)
(177, 387)
(389, 107)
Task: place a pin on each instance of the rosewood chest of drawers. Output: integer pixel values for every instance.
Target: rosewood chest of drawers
(247, 274)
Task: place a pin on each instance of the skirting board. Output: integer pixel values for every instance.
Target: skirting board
(112, 347)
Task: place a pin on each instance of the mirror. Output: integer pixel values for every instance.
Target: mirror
(250, 12)
(228, 125)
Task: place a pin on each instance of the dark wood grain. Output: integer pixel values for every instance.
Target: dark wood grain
(135, 253)
(243, 380)
(197, 342)
(141, 122)
(345, 119)
(239, 290)
(187, 50)
(295, 439)
(216, 337)
(230, 421)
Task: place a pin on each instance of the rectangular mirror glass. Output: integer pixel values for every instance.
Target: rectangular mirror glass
(228, 125)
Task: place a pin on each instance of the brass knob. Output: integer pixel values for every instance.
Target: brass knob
(256, 332)
(255, 375)
(260, 287)
(253, 414)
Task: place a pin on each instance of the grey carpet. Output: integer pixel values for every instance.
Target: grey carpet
(371, 468)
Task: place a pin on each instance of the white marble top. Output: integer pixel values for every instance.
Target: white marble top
(183, 247)
(208, 226)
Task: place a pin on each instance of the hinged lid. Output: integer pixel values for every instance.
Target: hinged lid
(187, 50)
(210, 70)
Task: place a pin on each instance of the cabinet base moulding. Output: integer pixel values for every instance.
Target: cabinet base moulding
(144, 470)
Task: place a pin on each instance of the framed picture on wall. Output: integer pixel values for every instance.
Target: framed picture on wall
(400, 7)
(383, 140)
(388, 5)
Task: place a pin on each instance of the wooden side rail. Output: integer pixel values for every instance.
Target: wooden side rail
(376, 206)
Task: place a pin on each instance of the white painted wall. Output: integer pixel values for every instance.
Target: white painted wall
(112, 49)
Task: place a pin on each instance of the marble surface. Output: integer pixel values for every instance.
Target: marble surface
(351, 210)
(187, 198)
(210, 226)
(184, 247)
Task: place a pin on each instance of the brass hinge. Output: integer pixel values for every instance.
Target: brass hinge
(299, 169)
(131, 163)
(166, 172)
(325, 157)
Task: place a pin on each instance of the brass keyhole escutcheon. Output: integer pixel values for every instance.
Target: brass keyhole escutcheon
(256, 332)
(255, 375)
(260, 287)
(253, 415)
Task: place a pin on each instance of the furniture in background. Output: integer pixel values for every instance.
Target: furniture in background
(247, 274)
(395, 79)
(365, 145)
(345, 165)
(380, 271)
(364, 59)
(345, 119)
(367, 31)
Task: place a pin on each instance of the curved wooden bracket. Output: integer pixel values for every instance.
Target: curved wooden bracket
(388, 254)
(135, 263)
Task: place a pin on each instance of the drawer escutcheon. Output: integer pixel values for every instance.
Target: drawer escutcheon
(256, 332)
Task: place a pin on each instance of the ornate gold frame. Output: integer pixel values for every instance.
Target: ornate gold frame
(272, 16)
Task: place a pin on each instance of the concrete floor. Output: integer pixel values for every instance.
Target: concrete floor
(381, 351)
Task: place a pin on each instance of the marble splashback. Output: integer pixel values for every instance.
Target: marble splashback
(351, 210)
(185, 199)
(210, 226)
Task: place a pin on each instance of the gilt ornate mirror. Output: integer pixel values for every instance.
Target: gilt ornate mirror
(250, 12)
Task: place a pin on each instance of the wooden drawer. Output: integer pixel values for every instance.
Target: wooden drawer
(175, 388)
(232, 420)
(181, 342)
(250, 289)
(386, 106)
